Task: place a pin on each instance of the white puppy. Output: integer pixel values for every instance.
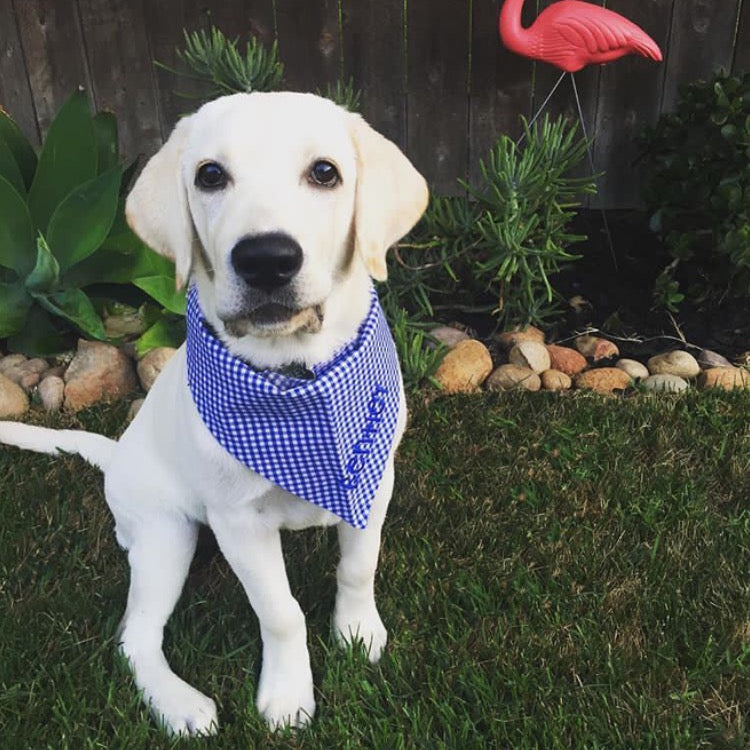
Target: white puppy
(279, 207)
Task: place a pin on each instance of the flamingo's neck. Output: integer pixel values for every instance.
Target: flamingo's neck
(512, 32)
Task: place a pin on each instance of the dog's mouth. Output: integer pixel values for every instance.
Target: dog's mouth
(275, 319)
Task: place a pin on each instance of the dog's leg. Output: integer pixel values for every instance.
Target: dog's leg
(285, 691)
(159, 553)
(356, 616)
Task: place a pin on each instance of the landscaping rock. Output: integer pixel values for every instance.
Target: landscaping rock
(530, 354)
(664, 383)
(513, 377)
(465, 367)
(22, 371)
(727, 378)
(632, 367)
(508, 339)
(567, 360)
(152, 364)
(135, 407)
(679, 363)
(98, 372)
(58, 371)
(596, 348)
(555, 380)
(603, 380)
(13, 400)
(743, 360)
(448, 335)
(708, 359)
(52, 391)
(125, 324)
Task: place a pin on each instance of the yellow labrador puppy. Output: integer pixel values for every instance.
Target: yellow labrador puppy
(278, 209)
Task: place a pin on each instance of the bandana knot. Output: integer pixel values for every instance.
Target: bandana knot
(326, 438)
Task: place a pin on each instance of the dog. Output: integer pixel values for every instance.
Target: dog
(278, 209)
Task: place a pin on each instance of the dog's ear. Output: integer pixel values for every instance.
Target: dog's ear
(390, 196)
(157, 208)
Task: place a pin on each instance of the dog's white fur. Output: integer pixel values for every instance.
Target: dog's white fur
(167, 474)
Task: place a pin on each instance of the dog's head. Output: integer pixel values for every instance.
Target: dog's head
(270, 200)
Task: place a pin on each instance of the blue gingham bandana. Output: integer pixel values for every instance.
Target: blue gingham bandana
(326, 439)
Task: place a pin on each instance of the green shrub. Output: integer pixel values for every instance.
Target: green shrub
(496, 250)
(62, 229)
(697, 189)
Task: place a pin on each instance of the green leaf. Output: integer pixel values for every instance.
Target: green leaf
(82, 221)
(75, 306)
(164, 332)
(16, 231)
(162, 289)
(46, 273)
(14, 306)
(68, 159)
(105, 132)
(9, 167)
(39, 337)
(21, 149)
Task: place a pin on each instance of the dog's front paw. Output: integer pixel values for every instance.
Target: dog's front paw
(184, 711)
(363, 627)
(286, 699)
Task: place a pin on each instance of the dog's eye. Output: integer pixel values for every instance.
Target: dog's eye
(210, 176)
(324, 173)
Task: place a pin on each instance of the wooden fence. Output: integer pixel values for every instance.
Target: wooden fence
(433, 74)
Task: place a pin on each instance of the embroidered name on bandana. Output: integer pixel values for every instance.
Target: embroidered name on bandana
(325, 439)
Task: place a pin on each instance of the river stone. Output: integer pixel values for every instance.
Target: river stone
(51, 392)
(508, 339)
(682, 364)
(513, 377)
(24, 372)
(13, 400)
(596, 348)
(664, 382)
(465, 367)
(603, 380)
(98, 372)
(632, 367)
(564, 359)
(555, 380)
(530, 354)
(449, 336)
(152, 364)
(135, 407)
(708, 359)
(727, 378)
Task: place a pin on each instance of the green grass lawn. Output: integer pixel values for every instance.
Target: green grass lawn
(556, 573)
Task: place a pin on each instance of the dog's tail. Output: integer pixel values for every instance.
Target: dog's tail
(96, 449)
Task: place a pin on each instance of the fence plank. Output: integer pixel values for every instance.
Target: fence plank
(309, 43)
(53, 47)
(501, 84)
(121, 71)
(437, 97)
(702, 40)
(742, 43)
(374, 57)
(629, 98)
(15, 94)
(165, 21)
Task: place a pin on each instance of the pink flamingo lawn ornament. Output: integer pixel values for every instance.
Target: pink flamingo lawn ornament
(571, 35)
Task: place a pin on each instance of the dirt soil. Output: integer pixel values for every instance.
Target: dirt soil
(619, 291)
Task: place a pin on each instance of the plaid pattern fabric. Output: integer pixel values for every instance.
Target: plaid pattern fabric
(325, 439)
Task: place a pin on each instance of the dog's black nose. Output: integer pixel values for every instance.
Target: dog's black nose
(267, 261)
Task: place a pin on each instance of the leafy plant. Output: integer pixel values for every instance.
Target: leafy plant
(62, 229)
(497, 249)
(344, 94)
(217, 62)
(697, 187)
